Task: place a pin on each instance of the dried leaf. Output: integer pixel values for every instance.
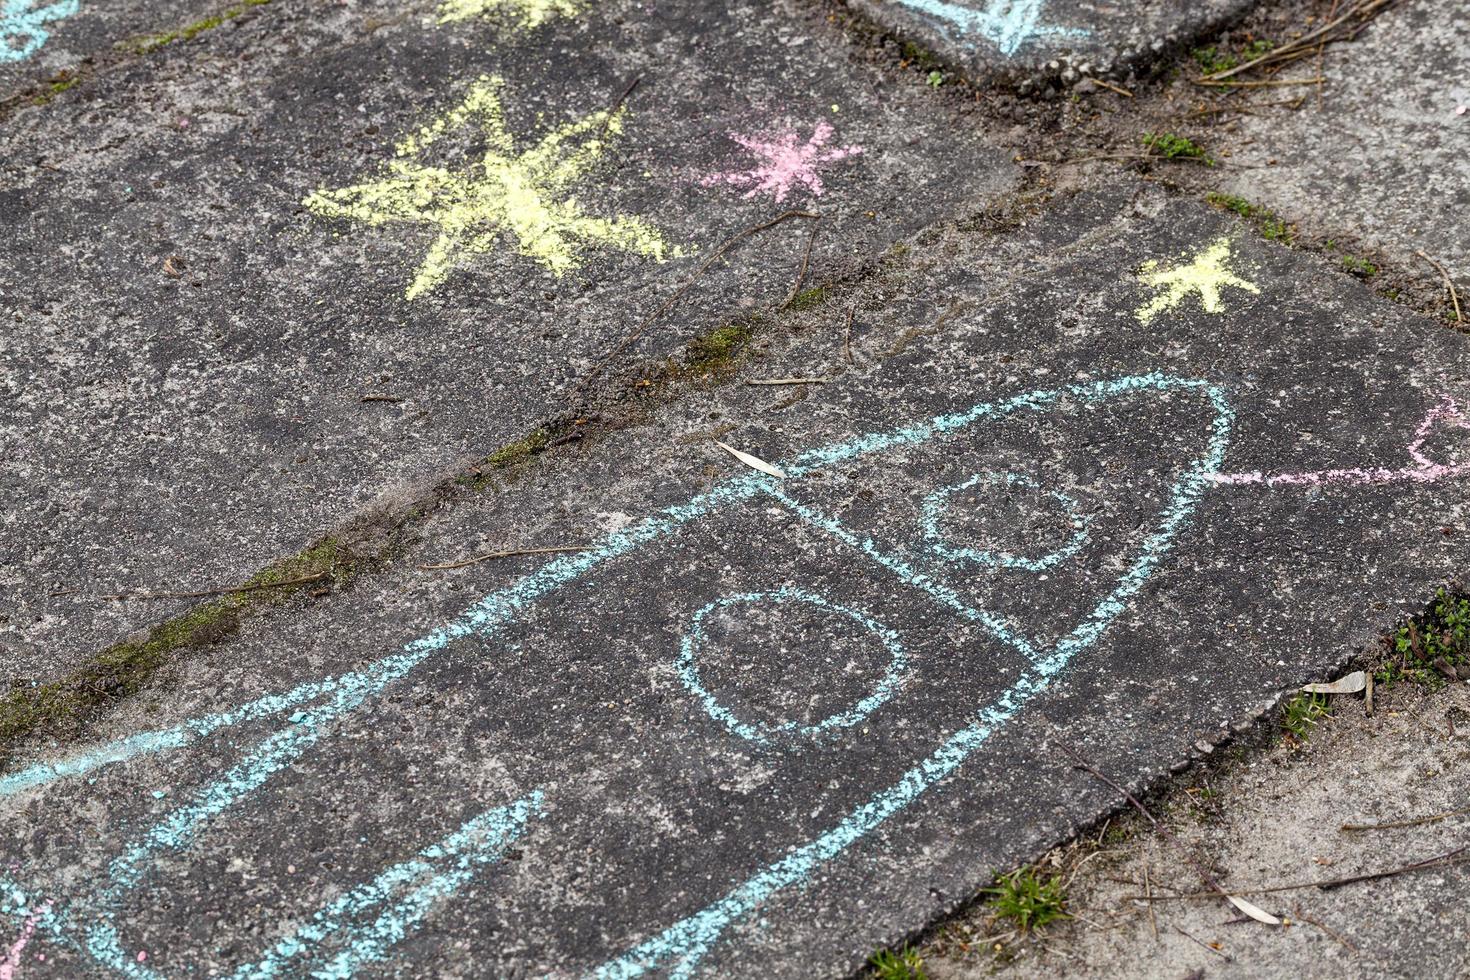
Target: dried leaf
(1347, 684)
(1254, 911)
(753, 462)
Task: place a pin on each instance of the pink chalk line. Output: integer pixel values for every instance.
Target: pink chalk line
(783, 163)
(10, 965)
(1424, 470)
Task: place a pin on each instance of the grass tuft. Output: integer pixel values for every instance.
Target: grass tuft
(904, 964)
(1303, 712)
(1027, 899)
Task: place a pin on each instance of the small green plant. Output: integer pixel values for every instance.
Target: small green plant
(1230, 202)
(1427, 644)
(1027, 899)
(936, 78)
(1258, 48)
(1275, 230)
(1171, 146)
(1211, 59)
(1303, 712)
(903, 964)
(1361, 268)
(1267, 223)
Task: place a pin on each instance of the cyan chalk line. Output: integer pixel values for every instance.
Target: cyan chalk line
(688, 668)
(21, 19)
(437, 873)
(349, 691)
(934, 506)
(1008, 24)
(682, 945)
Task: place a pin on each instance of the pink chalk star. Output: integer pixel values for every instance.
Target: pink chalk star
(784, 163)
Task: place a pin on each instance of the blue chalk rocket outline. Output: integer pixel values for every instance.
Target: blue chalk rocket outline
(1008, 24)
(22, 18)
(309, 709)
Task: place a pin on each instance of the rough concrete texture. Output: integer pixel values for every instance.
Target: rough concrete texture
(765, 725)
(212, 261)
(1036, 42)
(1273, 819)
(54, 40)
(1383, 153)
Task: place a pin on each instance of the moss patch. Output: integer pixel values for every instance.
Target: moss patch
(152, 42)
(721, 347)
(63, 82)
(1266, 222)
(1171, 146)
(809, 299)
(125, 668)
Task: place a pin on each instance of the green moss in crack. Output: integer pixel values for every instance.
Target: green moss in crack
(809, 299)
(1266, 222)
(1212, 59)
(125, 668)
(152, 42)
(720, 348)
(917, 54)
(1171, 146)
(1303, 712)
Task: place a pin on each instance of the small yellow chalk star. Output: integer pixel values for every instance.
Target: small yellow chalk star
(1205, 275)
(522, 195)
(525, 13)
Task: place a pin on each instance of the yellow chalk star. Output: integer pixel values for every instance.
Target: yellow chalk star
(525, 13)
(1205, 275)
(504, 193)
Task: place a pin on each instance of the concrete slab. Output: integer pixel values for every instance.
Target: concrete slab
(1077, 487)
(1035, 42)
(1383, 151)
(261, 279)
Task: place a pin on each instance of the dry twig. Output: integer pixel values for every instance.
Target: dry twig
(1331, 932)
(1445, 860)
(1164, 832)
(1448, 282)
(1395, 825)
(1303, 46)
(558, 549)
(1113, 88)
(612, 113)
(847, 334)
(806, 258)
